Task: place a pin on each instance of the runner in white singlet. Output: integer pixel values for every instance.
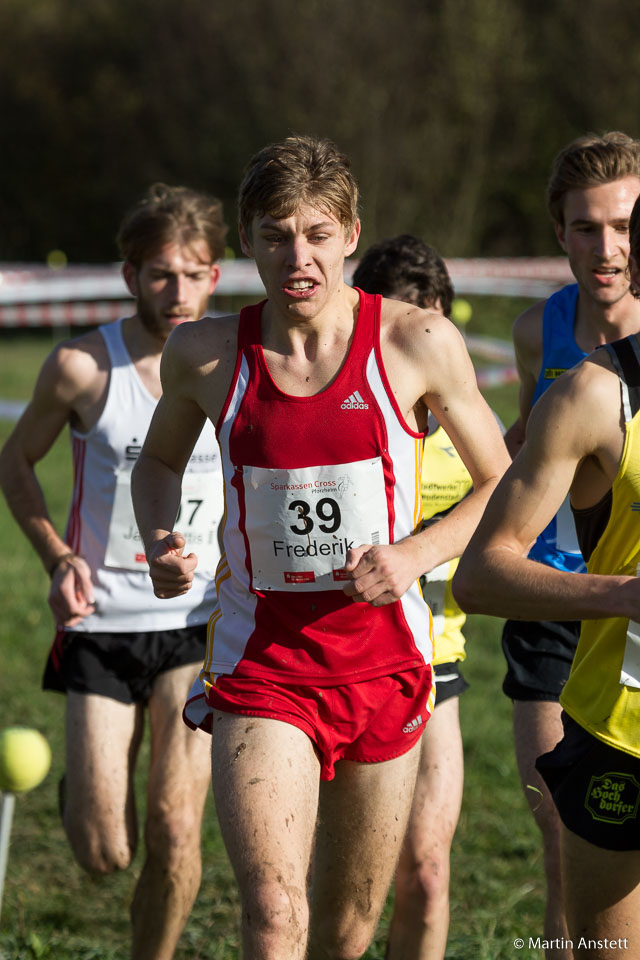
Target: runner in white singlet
(118, 648)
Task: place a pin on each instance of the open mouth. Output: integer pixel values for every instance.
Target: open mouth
(606, 275)
(300, 289)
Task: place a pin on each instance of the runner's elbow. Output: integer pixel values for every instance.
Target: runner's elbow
(16, 473)
(468, 587)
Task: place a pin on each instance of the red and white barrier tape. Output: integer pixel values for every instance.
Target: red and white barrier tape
(34, 295)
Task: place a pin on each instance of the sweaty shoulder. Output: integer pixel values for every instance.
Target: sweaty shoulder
(76, 370)
(579, 420)
(424, 355)
(413, 330)
(589, 377)
(202, 345)
(199, 359)
(584, 403)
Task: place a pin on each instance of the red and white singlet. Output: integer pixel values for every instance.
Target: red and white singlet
(305, 479)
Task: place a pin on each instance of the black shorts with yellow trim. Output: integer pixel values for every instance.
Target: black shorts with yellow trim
(595, 787)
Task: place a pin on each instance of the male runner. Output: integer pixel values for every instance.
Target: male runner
(119, 648)
(593, 185)
(405, 268)
(318, 661)
(582, 436)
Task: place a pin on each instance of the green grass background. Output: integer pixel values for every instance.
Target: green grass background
(52, 909)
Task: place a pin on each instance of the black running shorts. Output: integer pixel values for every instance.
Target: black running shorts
(539, 655)
(595, 787)
(449, 681)
(122, 666)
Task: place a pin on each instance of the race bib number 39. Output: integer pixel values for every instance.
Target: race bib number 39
(198, 519)
(301, 523)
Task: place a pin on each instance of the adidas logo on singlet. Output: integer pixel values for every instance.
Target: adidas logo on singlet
(354, 402)
(413, 725)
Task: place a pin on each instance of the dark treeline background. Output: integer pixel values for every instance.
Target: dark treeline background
(451, 110)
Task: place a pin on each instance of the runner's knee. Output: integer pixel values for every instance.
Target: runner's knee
(348, 942)
(423, 885)
(277, 911)
(99, 852)
(173, 832)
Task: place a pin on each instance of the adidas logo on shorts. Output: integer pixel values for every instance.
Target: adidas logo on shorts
(354, 402)
(413, 725)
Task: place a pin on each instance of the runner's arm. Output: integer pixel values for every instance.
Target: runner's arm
(572, 424)
(527, 343)
(156, 480)
(59, 384)
(382, 574)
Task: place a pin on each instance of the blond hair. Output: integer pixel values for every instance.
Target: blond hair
(282, 176)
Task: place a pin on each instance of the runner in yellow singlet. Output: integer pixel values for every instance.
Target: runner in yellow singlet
(583, 438)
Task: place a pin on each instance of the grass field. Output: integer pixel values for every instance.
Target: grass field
(51, 909)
